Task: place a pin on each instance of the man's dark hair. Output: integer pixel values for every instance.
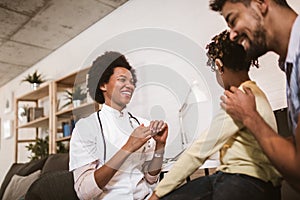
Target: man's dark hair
(101, 71)
(230, 53)
(217, 5)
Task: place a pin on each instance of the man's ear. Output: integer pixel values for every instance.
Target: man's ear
(263, 6)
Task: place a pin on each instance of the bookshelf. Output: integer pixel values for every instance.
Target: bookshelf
(51, 95)
(33, 123)
(66, 114)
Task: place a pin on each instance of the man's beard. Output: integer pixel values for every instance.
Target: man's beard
(258, 46)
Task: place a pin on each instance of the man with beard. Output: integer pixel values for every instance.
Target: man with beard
(261, 26)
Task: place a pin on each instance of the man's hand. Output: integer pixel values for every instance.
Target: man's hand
(239, 105)
(153, 197)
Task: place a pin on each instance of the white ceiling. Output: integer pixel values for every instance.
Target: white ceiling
(32, 29)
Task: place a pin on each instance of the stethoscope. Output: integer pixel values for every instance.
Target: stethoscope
(102, 133)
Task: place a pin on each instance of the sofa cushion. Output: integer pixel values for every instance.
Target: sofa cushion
(22, 169)
(56, 162)
(58, 185)
(19, 185)
(12, 171)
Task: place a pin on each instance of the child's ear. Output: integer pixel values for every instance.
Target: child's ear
(219, 64)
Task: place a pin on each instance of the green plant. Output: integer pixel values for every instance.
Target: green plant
(40, 149)
(34, 78)
(76, 94)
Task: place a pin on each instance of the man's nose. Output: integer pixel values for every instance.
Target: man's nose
(233, 35)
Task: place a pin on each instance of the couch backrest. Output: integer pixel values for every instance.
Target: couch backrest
(56, 162)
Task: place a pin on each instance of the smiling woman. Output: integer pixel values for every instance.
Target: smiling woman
(112, 147)
(115, 94)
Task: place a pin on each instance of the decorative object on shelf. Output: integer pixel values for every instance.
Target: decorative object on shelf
(67, 127)
(23, 113)
(34, 113)
(75, 97)
(40, 149)
(34, 79)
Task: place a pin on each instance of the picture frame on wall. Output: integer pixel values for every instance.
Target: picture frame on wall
(9, 100)
(7, 129)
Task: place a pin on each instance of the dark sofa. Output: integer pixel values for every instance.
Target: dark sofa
(52, 180)
(55, 182)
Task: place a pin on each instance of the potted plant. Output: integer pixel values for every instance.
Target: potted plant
(34, 79)
(40, 149)
(75, 97)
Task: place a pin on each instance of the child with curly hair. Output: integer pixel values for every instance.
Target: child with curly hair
(245, 171)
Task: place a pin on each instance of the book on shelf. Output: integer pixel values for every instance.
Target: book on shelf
(34, 113)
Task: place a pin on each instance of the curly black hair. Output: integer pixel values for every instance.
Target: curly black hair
(230, 53)
(101, 71)
(217, 5)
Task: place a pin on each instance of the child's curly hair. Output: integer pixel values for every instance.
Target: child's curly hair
(230, 53)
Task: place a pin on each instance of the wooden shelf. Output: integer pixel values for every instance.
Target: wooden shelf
(41, 92)
(82, 110)
(26, 141)
(63, 139)
(40, 122)
(72, 79)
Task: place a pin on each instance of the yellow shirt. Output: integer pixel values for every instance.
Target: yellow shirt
(239, 151)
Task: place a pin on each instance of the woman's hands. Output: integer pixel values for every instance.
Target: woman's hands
(159, 132)
(138, 138)
(157, 129)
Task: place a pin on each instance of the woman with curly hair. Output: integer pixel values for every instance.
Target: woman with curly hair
(245, 171)
(113, 154)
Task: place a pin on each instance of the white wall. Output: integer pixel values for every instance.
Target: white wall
(166, 34)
